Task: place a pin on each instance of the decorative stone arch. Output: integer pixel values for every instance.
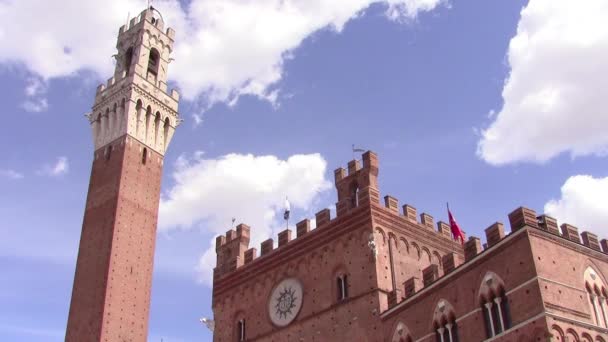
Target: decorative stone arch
(437, 259)
(392, 237)
(599, 338)
(596, 295)
(157, 130)
(557, 333)
(444, 322)
(427, 253)
(444, 312)
(572, 336)
(594, 279)
(585, 337)
(121, 116)
(404, 245)
(494, 304)
(401, 333)
(491, 286)
(106, 126)
(147, 126)
(166, 127)
(114, 119)
(380, 232)
(139, 105)
(416, 248)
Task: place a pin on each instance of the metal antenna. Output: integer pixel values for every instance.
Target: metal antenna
(233, 219)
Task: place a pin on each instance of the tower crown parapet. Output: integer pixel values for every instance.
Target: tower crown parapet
(135, 101)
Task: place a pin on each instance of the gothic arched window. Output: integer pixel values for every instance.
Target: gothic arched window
(444, 321)
(596, 294)
(240, 330)
(128, 60)
(401, 334)
(153, 62)
(342, 286)
(166, 132)
(494, 305)
(138, 109)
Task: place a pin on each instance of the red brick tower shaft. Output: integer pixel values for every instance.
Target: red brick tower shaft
(133, 121)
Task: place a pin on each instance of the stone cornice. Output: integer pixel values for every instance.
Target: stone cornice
(116, 92)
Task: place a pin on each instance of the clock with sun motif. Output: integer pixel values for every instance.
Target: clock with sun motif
(285, 302)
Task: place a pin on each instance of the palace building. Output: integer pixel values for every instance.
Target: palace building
(372, 273)
(378, 273)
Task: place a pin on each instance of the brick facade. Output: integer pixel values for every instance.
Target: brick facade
(133, 120)
(408, 280)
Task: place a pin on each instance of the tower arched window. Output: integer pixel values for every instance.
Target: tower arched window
(342, 286)
(494, 305)
(153, 63)
(148, 119)
(157, 129)
(401, 334)
(496, 313)
(128, 60)
(138, 109)
(596, 295)
(166, 132)
(240, 330)
(447, 331)
(444, 321)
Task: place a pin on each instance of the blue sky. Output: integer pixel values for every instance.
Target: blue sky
(486, 104)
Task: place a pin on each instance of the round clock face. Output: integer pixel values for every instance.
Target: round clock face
(285, 302)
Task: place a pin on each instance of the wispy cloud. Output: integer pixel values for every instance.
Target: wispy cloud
(35, 91)
(228, 48)
(60, 167)
(10, 174)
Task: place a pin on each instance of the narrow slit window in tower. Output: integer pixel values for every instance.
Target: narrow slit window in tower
(128, 60)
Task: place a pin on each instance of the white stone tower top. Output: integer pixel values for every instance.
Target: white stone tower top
(136, 101)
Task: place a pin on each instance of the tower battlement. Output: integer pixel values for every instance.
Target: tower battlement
(135, 100)
(230, 249)
(233, 250)
(357, 192)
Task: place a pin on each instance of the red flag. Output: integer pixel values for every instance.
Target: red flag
(456, 231)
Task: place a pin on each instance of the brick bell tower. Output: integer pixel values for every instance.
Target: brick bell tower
(133, 120)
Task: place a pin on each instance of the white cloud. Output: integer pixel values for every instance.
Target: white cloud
(60, 167)
(208, 193)
(583, 203)
(225, 48)
(11, 174)
(35, 91)
(555, 96)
